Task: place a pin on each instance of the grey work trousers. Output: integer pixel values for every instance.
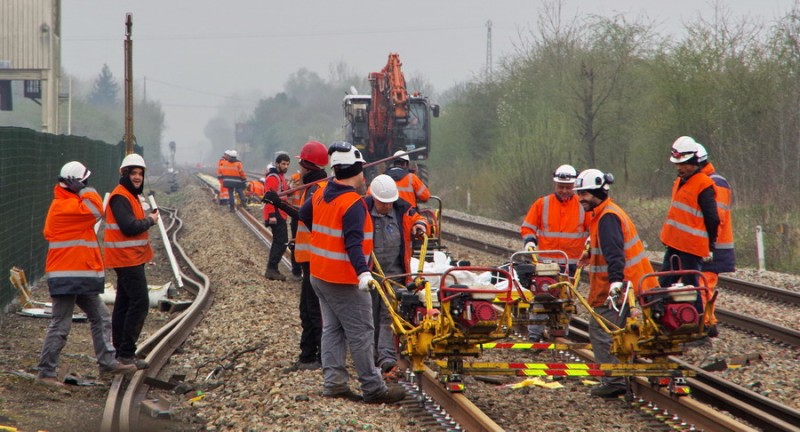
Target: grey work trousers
(347, 323)
(61, 324)
(601, 343)
(386, 346)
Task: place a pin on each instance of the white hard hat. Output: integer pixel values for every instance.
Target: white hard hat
(404, 155)
(565, 174)
(132, 160)
(592, 179)
(262, 179)
(228, 153)
(75, 170)
(384, 189)
(702, 153)
(234, 154)
(683, 149)
(344, 153)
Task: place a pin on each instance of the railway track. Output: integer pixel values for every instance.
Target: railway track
(707, 388)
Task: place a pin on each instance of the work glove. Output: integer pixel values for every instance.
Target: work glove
(614, 293)
(364, 281)
(709, 258)
(530, 245)
(74, 184)
(418, 230)
(271, 197)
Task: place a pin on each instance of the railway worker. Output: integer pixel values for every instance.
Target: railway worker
(616, 254)
(224, 193)
(274, 217)
(724, 255)
(75, 274)
(295, 200)
(556, 222)
(395, 223)
(411, 188)
(313, 158)
(690, 229)
(255, 190)
(341, 241)
(127, 250)
(231, 172)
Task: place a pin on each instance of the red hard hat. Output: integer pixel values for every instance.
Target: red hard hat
(314, 152)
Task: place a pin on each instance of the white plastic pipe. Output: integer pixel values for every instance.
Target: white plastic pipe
(760, 248)
(167, 245)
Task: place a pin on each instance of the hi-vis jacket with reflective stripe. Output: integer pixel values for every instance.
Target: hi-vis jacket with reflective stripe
(302, 240)
(231, 173)
(636, 263)
(330, 260)
(724, 254)
(685, 228)
(556, 225)
(274, 181)
(74, 265)
(409, 186)
(122, 250)
(295, 198)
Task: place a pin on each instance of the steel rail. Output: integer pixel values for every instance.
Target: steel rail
(121, 412)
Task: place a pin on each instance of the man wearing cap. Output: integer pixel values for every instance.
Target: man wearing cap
(410, 187)
(556, 222)
(341, 242)
(395, 223)
(690, 229)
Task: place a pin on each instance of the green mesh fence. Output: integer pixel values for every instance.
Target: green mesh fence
(29, 166)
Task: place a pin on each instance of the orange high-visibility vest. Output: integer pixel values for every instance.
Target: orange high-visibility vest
(295, 198)
(122, 250)
(74, 265)
(412, 189)
(557, 226)
(302, 239)
(256, 188)
(685, 229)
(329, 259)
(724, 255)
(277, 183)
(636, 262)
(231, 170)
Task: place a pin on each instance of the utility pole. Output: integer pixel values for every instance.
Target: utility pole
(129, 138)
(489, 50)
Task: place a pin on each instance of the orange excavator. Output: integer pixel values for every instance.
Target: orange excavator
(390, 119)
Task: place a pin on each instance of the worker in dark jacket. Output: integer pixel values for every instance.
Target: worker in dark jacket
(75, 273)
(341, 242)
(410, 187)
(395, 222)
(127, 250)
(690, 230)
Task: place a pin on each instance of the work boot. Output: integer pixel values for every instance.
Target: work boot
(274, 274)
(347, 394)
(392, 394)
(50, 381)
(298, 365)
(135, 362)
(608, 391)
(713, 331)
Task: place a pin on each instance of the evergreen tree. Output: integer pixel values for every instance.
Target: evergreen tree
(105, 89)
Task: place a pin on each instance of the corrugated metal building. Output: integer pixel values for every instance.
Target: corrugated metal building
(30, 49)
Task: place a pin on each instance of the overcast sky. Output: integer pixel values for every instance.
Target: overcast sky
(197, 54)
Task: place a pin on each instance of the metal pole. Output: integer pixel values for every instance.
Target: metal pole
(760, 248)
(69, 109)
(129, 141)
